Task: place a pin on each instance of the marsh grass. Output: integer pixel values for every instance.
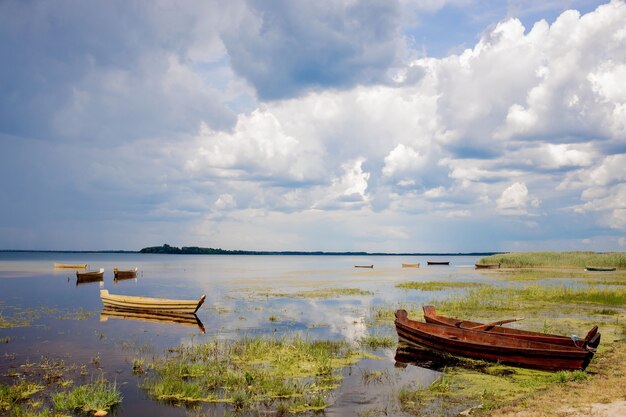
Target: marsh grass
(510, 299)
(293, 374)
(377, 341)
(98, 395)
(557, 259)
(321, 293)
(436, 285)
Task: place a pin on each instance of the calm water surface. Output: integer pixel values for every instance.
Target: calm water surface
(237, 305)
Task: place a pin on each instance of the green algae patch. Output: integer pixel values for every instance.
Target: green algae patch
(11, 396)
(485, 385)
(321, 293)
(289, 374)
(436, 285)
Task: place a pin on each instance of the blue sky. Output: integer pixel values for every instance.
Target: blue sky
(332, 125)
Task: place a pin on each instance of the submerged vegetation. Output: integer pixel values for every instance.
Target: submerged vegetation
(41, 389)
(293, 375)
(557, 259)
(321, 293)
(436, 285)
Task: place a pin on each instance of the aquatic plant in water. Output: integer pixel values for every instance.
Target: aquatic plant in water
(292, 374)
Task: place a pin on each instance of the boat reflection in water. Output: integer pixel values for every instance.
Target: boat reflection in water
(184, 319)
(407, 354)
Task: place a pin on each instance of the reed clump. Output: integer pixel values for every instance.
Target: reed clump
(378, 341)
(100, 395)
(292, 374)
(557, 259)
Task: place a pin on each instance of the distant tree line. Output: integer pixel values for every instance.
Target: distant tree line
(196, 250)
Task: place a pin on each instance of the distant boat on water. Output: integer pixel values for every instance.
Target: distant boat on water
(599, 269)
(90, 276)
(438, 262)
(410, 265)
(487, 266)
(364, 266)
(124, 273)
(70, 266)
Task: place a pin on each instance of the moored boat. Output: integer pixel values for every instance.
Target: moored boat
(438, 262)
(491, 346)
(90, 276)
(599, 269)
(410, 265)
(487, 266)
(124, 273)
(156, 305)
(70, 266)
(364, 266)
(592, 339)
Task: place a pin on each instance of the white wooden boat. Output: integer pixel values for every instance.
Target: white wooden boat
(70, 266)
(155, 305)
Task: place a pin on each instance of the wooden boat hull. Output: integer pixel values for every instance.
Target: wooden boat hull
(146, 304)
(487, 266)
(592, 340)
(70, 266)
(90, 276)
(124, 273)
(364, 266)
(491, 347)
(438, 262)
(185, 319)
(599, 269)
(410, 265)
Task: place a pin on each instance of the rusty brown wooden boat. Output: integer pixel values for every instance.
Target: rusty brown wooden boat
(124, 273)
(438, 262)
(410, 265)
(492, 346)
(487, 266)
(90, 276)
(592, 339)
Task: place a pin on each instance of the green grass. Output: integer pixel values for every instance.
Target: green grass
(321, 293)
(99, 395)
(293, 374)
(557, 259)
(377, 341)
(436, 285)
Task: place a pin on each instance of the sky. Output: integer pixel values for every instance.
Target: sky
(334, 125)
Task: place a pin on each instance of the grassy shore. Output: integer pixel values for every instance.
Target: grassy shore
(557, 260)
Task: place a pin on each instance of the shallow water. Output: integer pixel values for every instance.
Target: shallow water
(237, 305)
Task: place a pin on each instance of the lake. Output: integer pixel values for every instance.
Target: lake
(65, 320)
